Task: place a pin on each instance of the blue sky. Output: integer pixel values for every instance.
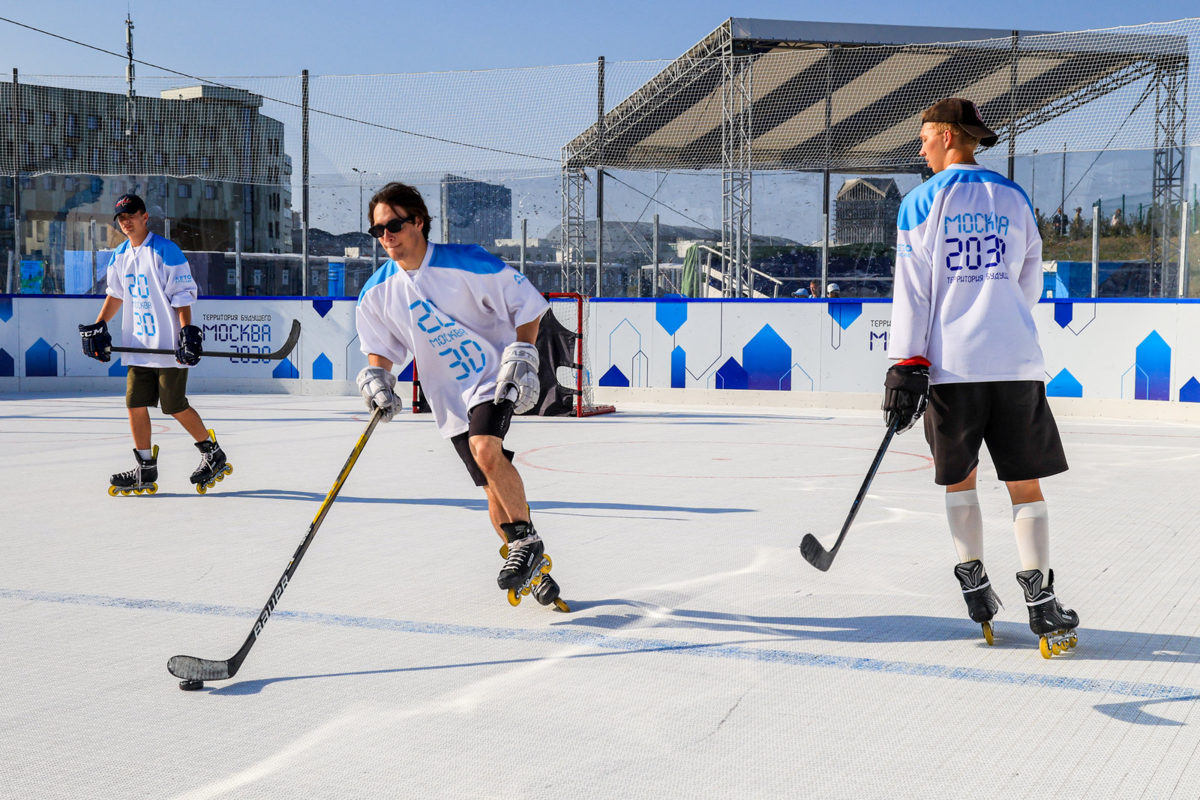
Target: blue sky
(220, 37)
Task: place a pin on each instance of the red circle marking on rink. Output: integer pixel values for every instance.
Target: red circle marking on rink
(524, 459)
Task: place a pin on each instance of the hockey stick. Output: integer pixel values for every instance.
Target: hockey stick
(276, 355)
(810, 548)
(196, 670)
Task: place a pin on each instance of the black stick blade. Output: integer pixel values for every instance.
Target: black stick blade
(814, 553)
(198, 669)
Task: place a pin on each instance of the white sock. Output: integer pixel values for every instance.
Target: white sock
(1031, 524)
(966, 524)
(145, 454)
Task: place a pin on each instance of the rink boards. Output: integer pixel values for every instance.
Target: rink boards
(1101, 350)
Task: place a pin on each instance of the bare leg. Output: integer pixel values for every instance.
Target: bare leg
(191, 423)
(505, 490)
(139, 425)
(1025, 491)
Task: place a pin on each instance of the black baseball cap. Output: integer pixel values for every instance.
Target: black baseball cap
(962, 113)
(128, 204)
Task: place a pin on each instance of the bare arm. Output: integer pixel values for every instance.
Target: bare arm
(529, 331)
(185, 315)
(379, 361)
(109, 309)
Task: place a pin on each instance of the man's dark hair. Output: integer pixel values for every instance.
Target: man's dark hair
(400, 195)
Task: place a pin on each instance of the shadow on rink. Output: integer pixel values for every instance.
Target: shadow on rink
(1094, 644)
(471, 504)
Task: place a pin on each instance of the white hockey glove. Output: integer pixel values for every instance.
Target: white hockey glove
(376, 385)
(519, 375)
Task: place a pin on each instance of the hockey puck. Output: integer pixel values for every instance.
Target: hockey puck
(191, 686)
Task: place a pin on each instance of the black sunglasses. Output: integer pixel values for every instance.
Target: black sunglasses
(391, 226)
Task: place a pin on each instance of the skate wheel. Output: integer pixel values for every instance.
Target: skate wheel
(1072, 642)
(514, 599)
(220, 477)
(138, 490)
(562, 606)
(548, 563)
(1057, 648)
(228, 469)
(112, 491)
(988, 636)
(201, 488)
(153, 489)
(525, 589)
(126, 492)
(1044, 646)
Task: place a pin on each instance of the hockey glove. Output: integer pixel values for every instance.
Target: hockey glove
(376, 385)
(905, 393)
(97, 343)
(519, 375)
(190, 348)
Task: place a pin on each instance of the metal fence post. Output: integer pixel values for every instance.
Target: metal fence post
(1095, 251)
(1183, 249)
(237, 259)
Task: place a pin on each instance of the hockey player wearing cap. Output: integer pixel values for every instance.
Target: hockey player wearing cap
(150, 282)
(968, 274)
(471, 323)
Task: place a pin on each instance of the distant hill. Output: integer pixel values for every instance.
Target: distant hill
(324, 243)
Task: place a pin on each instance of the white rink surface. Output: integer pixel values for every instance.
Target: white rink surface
(704, 657)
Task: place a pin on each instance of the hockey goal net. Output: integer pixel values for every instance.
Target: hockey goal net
(566, 372)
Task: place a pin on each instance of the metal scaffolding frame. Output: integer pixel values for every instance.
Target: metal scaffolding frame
(1168, 191)
(721, 67)
(737, 101)
(574, 182)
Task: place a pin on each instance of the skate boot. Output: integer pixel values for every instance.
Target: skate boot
(213, 467)
(139, 480)
(1054, 625)
(982, 602)
(527, 567)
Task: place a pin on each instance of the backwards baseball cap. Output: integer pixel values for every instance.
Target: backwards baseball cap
(964, 114)
(128, 204)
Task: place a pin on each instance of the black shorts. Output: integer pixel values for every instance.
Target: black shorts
(1012, 417)
(485, 419)
(153, 386)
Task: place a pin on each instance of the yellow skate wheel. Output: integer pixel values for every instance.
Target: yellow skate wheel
(112, 491)
(514, 599)
(138, 490)
(1057, 648)
(228, 469)
(201, 488)
(1044, 646)
(525, 590)
(126, 492)
(987, 633)
(548, 564)
(153, 489)
(561, 606)
(1072, 641)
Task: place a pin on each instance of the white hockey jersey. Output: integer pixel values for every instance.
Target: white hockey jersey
(968, 274)
(455, 314)
(151, 281)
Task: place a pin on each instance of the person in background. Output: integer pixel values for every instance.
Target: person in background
(151, 284)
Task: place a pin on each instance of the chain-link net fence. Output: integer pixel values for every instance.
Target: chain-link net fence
(816, 138)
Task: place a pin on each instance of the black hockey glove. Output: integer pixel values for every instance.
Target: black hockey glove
(905, 392)
(97, 343)
(190, 348)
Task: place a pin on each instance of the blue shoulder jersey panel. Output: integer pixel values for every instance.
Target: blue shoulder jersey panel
(385, 271)
(915, 207)
(167, 250)
(467, 257)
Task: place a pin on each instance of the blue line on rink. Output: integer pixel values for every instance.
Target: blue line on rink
(1154, 691)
